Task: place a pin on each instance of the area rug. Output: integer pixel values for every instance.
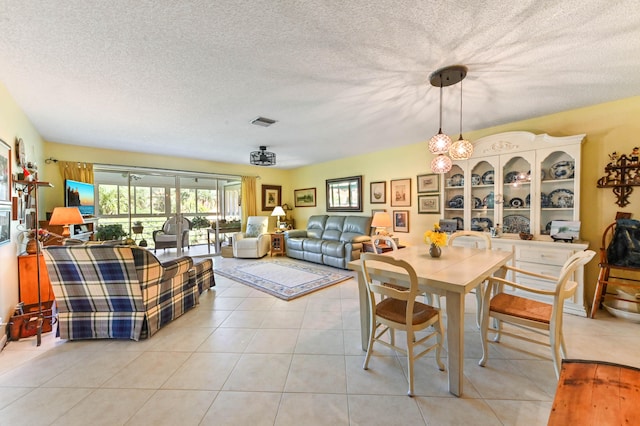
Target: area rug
(285, 280)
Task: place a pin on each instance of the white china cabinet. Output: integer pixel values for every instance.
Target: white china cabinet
(521, 182)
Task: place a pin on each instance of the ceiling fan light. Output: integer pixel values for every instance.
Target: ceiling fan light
(461, 149)
(441, 164)
(262, 157)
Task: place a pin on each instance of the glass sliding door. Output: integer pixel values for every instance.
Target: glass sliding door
(147, 203)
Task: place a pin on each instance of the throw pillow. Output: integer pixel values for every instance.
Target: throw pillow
(253, 230)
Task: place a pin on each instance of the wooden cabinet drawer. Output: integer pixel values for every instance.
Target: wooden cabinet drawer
(540, 268)
(548, 257)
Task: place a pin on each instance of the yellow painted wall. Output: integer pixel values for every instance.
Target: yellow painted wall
(55, 197)
(609, 127)
(14, 124)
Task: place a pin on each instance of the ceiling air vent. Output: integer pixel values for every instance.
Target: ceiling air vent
(262, 121)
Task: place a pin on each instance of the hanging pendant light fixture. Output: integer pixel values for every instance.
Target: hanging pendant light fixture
(461, 149)
(440, 144)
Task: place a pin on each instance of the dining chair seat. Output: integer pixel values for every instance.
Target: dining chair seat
(530, 309)
(395, 310)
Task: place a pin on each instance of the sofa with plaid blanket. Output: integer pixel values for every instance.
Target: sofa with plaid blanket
(121, 292)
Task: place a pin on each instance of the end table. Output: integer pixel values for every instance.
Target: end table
(277, 243)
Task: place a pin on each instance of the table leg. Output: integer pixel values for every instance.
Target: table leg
(364, 311)
(455, 341)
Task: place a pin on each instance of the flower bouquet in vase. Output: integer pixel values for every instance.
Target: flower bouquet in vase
(435, 238)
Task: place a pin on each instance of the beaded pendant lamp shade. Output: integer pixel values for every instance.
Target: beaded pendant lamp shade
(440, 143)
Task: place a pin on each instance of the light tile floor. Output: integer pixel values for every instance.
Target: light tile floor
(243, 357)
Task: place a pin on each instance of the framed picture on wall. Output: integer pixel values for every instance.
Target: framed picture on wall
(5, 224)
(428, 183)
(305, 197)
(5, 173)
(428, 204)
(270, 197)
(401, 221)
(378, 192)
(401, 193)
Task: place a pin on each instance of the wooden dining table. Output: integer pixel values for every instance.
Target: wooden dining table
(458, 271)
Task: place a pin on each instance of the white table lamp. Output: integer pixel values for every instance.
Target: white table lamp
(278, 211)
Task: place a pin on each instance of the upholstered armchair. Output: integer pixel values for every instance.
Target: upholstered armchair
(167, 238)
(255, 241)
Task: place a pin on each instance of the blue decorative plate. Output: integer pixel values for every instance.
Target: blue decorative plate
(527, 200)
(561, 198)
(457, 180)
(475, 179)
(481, 224)
(514, 224)
(477, 202)
(544, 200)
(487, 178)
(460, 222)
(457, 202)
(488, 201)
(516, 202)
(562, 170)
(511, 177)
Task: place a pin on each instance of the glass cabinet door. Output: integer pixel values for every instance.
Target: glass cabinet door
(454, 195)
(516, 186)
(482, 196)
(557, 189)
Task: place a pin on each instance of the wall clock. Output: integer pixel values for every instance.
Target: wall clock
(20, 152)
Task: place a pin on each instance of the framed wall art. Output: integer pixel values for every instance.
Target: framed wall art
(400, 193)
(401, 221)
(428, 183)
(5, 224)
(305, 197)
(5, 173)
(428, 204)
(270, 196)
(378, 192)
(344, 194)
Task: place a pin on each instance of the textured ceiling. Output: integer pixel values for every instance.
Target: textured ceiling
(341, 77)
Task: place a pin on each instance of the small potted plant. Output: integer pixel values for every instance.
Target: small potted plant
(110, 232)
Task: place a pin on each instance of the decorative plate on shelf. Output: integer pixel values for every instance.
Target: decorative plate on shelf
(514, 224)
(481, 224)
(561, 198)
(562, 170)
(457, 180)
(516, 202)
(477, 202)
(511, 177)
(488, 201)
(544, 200)
(527, 200)
(460, 222)
(475, 179)
(487, 178)
(457, 202)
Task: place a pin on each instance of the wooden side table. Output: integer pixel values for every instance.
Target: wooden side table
(277, 243)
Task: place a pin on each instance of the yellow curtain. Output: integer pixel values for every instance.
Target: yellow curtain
(248, 198)
(81, 172)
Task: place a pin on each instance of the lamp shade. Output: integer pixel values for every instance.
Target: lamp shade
(65, 216)
(381, 220)
(441, 164)
(278, 211)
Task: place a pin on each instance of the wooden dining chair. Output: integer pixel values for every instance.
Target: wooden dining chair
(527, 311)
(619, 259)
(480, 240)
(399, 310)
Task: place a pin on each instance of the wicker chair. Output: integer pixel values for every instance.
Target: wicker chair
(166, 237)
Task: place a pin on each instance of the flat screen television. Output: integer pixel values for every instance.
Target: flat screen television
(81, 195)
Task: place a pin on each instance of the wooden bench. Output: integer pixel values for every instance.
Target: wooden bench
(596, 393)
